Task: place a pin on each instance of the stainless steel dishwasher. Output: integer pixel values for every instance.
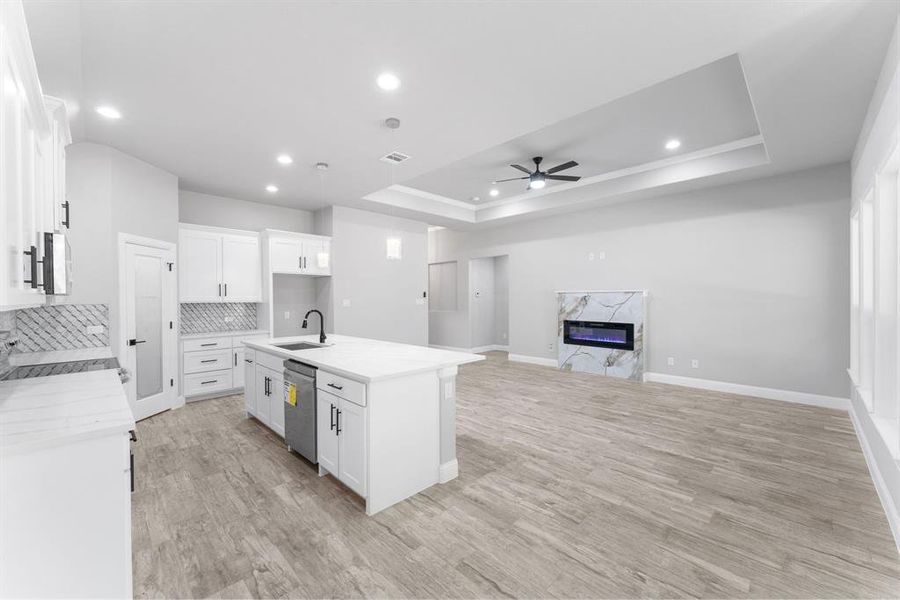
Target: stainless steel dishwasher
(300, 409)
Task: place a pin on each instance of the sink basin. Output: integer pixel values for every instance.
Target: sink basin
(299, 346)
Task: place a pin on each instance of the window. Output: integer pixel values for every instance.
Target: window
(442, 286)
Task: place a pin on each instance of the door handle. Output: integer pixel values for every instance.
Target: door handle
(134, 342)
(335, 386)
(248, 361)
(226, 290)
(33, 261)
(339, 422)
(267, 386)
(67, 221)
(332, 417)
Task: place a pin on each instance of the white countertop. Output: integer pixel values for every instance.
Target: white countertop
(364, 359)
(235, 332)
(44, 411)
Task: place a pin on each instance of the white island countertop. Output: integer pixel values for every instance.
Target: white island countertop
(44, 411)
(364, 359)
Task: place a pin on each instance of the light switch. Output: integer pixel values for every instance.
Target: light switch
(287, 315)
(345, 302)
(671, 361)
(695, 364)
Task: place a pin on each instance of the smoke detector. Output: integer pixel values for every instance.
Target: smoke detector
(322, 166)
(394, 157)
(392, 123)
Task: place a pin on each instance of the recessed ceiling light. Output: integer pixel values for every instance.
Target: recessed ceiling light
(475, 198)
(388, 82)
(284, 159)
(494, 192)
(109, 112)
(673, 144)
(271, 188)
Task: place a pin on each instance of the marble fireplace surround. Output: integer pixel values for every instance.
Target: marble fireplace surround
(617, 306)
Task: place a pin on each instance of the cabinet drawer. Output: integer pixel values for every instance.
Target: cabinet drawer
(210, 360)
(354, 391)
(276, 363)
(210, 343)
(205, 383)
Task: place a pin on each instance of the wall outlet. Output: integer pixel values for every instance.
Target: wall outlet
(695, 364)
(550, 347)
(671, 361)
(93, 329)
(591, 256)
(345, 302)
(287, 315)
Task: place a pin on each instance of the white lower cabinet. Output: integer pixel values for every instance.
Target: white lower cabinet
(250, 381)
(341, 439)
(270, 398)
(214, 366)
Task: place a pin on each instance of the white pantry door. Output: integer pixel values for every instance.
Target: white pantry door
(148, 328)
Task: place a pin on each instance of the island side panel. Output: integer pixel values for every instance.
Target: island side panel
(449, 469)
(404, 438)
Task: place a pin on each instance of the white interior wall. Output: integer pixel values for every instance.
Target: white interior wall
(372, 296)
(219, 211)
(874, 400)
(111, 193)
(750, 279)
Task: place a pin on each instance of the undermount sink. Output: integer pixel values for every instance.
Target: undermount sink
(299, 346)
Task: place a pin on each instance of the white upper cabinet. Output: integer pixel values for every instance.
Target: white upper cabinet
(218, 265)
(33, 135)
(298, 253)
(241, 268)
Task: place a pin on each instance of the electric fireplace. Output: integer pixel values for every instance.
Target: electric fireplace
(599, 333)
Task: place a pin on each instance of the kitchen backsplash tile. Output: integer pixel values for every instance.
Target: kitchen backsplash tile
(7, 331)
(62, 327)
(208, 317)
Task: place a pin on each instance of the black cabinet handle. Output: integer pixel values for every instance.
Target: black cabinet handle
(210, 360)
(335, 386)
(33, 261)
(67, 223)
(235, 359)
(209, 344)
(332, 417)
(210, 381)
(266, 385)
(248, 361)
(299, 262)
(134, 342)
(131, 459)
(339, 422)
(226, 289)
(133, 435)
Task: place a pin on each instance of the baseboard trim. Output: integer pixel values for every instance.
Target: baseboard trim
(453, 348)
(448, 471)
(875, 471)
(534, 360)
(475, 350)
(750, 390)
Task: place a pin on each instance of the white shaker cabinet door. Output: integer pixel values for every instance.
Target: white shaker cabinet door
(276, 399)
(326, 438)
(200, 266)
(262, 395)
(249, 382)
(241, 269)
(286, 255)
(351, 424)
(317, 256)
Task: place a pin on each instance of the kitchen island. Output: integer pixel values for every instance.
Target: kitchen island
(386, 412)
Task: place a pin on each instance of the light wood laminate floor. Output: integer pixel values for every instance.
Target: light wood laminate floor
(570, 485)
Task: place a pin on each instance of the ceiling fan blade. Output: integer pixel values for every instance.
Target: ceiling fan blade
(521, 168)
(511, 179)
(563, 177)
(562, 167)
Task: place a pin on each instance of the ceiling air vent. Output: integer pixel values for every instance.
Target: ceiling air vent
(394, 157)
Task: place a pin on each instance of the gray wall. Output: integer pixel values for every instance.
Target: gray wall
(382, 293)
(219, 211)
(295, 295)
(751, 279)
(111, 193)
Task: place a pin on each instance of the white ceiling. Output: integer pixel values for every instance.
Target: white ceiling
(212, 91)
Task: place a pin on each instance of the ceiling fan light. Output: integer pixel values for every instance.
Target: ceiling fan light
(536, 184)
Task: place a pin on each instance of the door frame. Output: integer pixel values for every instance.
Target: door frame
(171, 346)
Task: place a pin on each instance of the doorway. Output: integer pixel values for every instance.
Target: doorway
(489, 303)
(147, 336)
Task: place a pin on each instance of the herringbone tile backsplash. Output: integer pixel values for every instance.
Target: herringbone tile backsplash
(208, 317)
(61, 327)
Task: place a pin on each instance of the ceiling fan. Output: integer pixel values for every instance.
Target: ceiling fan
(538, 178)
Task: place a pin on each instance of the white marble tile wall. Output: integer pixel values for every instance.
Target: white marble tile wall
(7, 331)
(209, 317)
(62, 327)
